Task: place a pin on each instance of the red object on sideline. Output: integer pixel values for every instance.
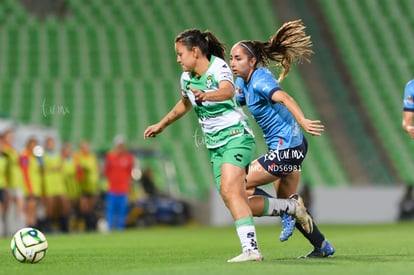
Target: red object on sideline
(118, 168)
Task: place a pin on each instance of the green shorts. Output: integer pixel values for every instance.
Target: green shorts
(238, 151)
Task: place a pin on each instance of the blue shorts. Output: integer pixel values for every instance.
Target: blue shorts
(280, 163)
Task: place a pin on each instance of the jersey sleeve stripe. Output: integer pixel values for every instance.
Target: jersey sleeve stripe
(274, 90)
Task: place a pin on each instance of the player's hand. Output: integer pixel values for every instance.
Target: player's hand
(152, 131)
(198, 94)
(410, 131)
(313, 127)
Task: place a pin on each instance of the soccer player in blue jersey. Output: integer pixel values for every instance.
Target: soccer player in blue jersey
(407, 125)
(280, 119)
(408, 109)
(207, 87)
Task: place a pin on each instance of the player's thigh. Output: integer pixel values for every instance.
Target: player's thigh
(288, 185)
(232, 177)
(235, 157)
(257, 175)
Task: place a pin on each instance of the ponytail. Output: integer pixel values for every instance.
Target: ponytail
(206, 41)
(290, 44)
(215, 47)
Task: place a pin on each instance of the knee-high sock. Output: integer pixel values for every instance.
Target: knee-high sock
(315, 238)
(247, 233)
(260, 192)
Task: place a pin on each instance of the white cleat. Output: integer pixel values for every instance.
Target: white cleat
(248, 255)
(302, 215)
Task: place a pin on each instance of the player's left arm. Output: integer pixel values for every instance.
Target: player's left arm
(313, 127)
(407, 123)
(225, 91)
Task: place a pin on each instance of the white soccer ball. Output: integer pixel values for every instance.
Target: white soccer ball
(29, 245)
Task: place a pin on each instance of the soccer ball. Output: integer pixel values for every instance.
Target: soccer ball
(29, 245)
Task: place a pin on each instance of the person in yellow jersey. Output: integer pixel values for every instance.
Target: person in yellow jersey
(69, 179)
(55, 199)
(15, 184)
(31, 163)
(3, 165)
(88, 176)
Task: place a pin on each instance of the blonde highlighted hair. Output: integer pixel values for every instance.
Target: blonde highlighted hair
(290, 44)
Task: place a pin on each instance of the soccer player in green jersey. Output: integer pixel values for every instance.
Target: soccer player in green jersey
(207, 86)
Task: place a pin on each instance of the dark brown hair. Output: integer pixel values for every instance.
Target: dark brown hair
(206, 41)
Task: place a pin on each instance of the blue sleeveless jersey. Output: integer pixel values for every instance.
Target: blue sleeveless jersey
(280, 129)
(408, 103)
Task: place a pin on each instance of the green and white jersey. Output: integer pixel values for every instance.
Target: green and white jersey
(220, 121)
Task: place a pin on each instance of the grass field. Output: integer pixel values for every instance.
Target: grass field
(361, 249)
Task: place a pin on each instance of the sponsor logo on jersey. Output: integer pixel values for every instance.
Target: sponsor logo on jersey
(409, 100)
(209, 81)
(234, 132)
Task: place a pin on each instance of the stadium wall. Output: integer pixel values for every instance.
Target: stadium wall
(340, 205)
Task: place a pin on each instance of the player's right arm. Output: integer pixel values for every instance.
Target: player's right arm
(407, 123)
(180, 109)
(313, 127)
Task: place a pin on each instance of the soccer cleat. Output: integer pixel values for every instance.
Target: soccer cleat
(327, 250)
(288, 226)
(302, 215)
(248, 255)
